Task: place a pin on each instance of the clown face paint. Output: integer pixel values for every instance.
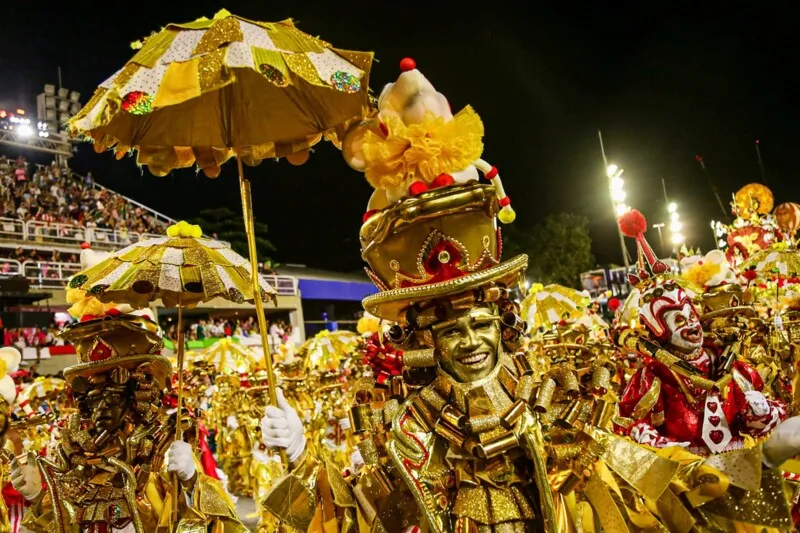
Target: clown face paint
(686, 333)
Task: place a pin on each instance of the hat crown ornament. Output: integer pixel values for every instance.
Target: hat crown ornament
(431, 229)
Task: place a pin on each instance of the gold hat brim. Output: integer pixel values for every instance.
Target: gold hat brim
(160, 367)
(391, 305)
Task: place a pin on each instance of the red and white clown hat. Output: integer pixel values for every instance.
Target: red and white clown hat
(634, 225)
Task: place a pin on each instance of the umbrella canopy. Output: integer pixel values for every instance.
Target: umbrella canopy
(326, 349)
(180, 269)
(207, 90)
(547, 306)
(227, 355)
(780, 260)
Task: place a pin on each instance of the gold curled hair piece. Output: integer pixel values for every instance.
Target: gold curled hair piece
(425, 357)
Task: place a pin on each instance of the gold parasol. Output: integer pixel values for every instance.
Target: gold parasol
(780, 260)
(202, 92)
(228, 355)
(326, 349)
(546, 306)
(182, 269)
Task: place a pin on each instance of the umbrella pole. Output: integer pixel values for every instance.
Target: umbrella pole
(247, 211)
(178, 432)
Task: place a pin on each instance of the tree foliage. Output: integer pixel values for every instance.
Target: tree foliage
(224, 224)
(559, 248)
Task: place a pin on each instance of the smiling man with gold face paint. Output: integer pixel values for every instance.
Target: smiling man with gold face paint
(468, 344)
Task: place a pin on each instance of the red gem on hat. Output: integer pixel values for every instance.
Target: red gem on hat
(101, 352)
(407, 64)
(85, 246)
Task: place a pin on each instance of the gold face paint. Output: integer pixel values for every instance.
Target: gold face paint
(468, 344)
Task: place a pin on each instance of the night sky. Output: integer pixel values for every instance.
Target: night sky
(663, 84)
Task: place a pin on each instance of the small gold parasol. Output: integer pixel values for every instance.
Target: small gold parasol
(546, 306)
(227, 355)
(326, 350)
(778, 261)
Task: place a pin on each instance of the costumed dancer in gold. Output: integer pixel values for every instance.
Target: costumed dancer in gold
(108, 472)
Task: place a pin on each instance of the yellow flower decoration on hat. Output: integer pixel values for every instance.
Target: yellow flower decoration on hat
(536, 287)
(184, 229)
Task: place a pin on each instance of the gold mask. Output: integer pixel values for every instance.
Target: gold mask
(467, 343)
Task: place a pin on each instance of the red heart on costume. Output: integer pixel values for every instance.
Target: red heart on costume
(714, 420)
(716, 436)
(712, 406)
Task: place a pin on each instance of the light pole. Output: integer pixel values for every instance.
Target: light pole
(659, 227)
(675, 226)
(54, 107)
(616, 186)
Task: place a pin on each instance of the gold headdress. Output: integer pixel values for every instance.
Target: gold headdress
(124, 341)
(430, 231)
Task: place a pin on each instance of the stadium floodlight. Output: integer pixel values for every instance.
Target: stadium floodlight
(74, 108)
(50, 90)
(63, 92)
(74, 96)
(63, 117)
(63, 105)
(23, 131)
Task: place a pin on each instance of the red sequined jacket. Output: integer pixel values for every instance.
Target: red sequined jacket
(664, 409)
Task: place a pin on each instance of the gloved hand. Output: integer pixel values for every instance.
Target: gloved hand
(757, 402)
(783, 443)
(26, 479)
(344, 423)
(356, 460)
(181, 460)
(232, 422)
(281, 428)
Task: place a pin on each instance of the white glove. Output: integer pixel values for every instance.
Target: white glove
(26, 479)
(356, 460)
(281, 428)
(783, 443)
(181, 460)
(232, 422)
(344, 423)
(757, 402)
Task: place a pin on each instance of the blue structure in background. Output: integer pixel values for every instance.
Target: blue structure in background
(323, 289)
(330, 300)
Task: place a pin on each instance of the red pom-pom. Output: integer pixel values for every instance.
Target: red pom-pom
(632, 223)
(417, 188)
(492, 174)
(504, 201)
(407, 64)
(613, 304)
(85, 246)
(368, 215)
(442, 180)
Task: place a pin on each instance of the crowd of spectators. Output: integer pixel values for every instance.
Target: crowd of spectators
(51, 194)
(279, 330)
(31, 337)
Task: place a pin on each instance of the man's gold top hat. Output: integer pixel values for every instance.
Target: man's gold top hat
(437, 244)
(126, 341)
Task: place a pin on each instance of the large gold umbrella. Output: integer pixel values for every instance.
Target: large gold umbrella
(202, 92)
